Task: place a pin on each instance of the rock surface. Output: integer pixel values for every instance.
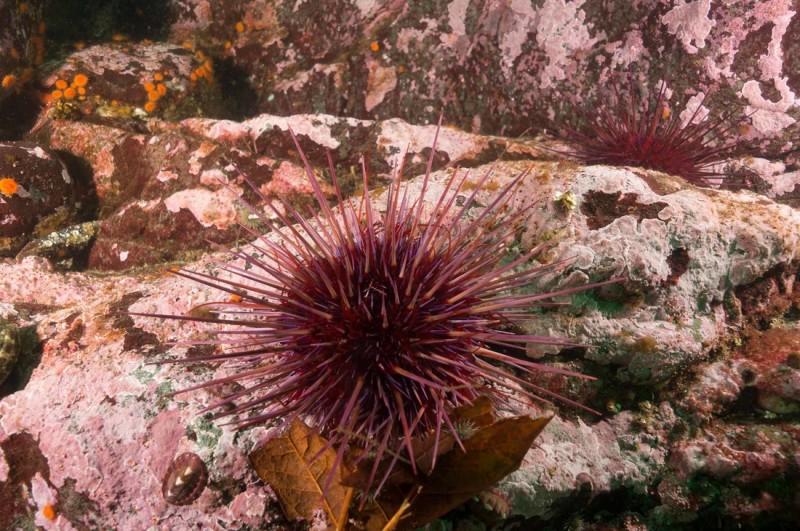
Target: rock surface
(164, 192)
(502, 67)
(105, 431)
(22, 52)
(36, 194)
(695, 356)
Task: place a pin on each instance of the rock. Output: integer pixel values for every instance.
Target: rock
(654, 339)
(36, 194)
(768, 362)
(503, 68)
(125, 84)
(64, 247)
(164, 193)
(694, 355)
(22, 32)
(674, 243)
(751, 460)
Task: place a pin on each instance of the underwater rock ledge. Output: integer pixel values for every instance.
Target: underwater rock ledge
(706, 268)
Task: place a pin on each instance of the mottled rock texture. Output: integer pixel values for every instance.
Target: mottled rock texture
(695, 355)
(166, 191)
(491, 67)
(105, 432)
(504, 67)
(126, 83)
(22, 51)
(36, 192)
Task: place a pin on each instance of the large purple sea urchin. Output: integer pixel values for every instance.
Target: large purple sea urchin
(372, 325)
(623, 129)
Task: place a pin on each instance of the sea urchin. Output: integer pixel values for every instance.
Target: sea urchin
(371, 326)
(626, 130)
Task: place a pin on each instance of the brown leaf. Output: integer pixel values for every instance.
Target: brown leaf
(492, 453)
(384, 514)
(479, 412)
(424, 450)
(357, 475)
(377, 519)
(377, 513)
(283, 462)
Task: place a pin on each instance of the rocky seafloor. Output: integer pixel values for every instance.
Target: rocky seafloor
(124, 128)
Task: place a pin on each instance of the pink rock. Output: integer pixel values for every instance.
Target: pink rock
(772, 364)
(107, 430)
(504, 67)
(162, 195)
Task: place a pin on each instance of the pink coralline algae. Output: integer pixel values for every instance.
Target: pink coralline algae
(107, 431)
(443, 56)
(696, 359)
(690, 23)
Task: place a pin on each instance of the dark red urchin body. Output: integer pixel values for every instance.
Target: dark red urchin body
(633, 132)
(371, 326)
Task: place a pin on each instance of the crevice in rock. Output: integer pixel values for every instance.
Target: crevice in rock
(678, 262)
(602, 208)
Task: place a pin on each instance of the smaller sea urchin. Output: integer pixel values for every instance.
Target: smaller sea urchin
(372, 326)
(626, 130)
